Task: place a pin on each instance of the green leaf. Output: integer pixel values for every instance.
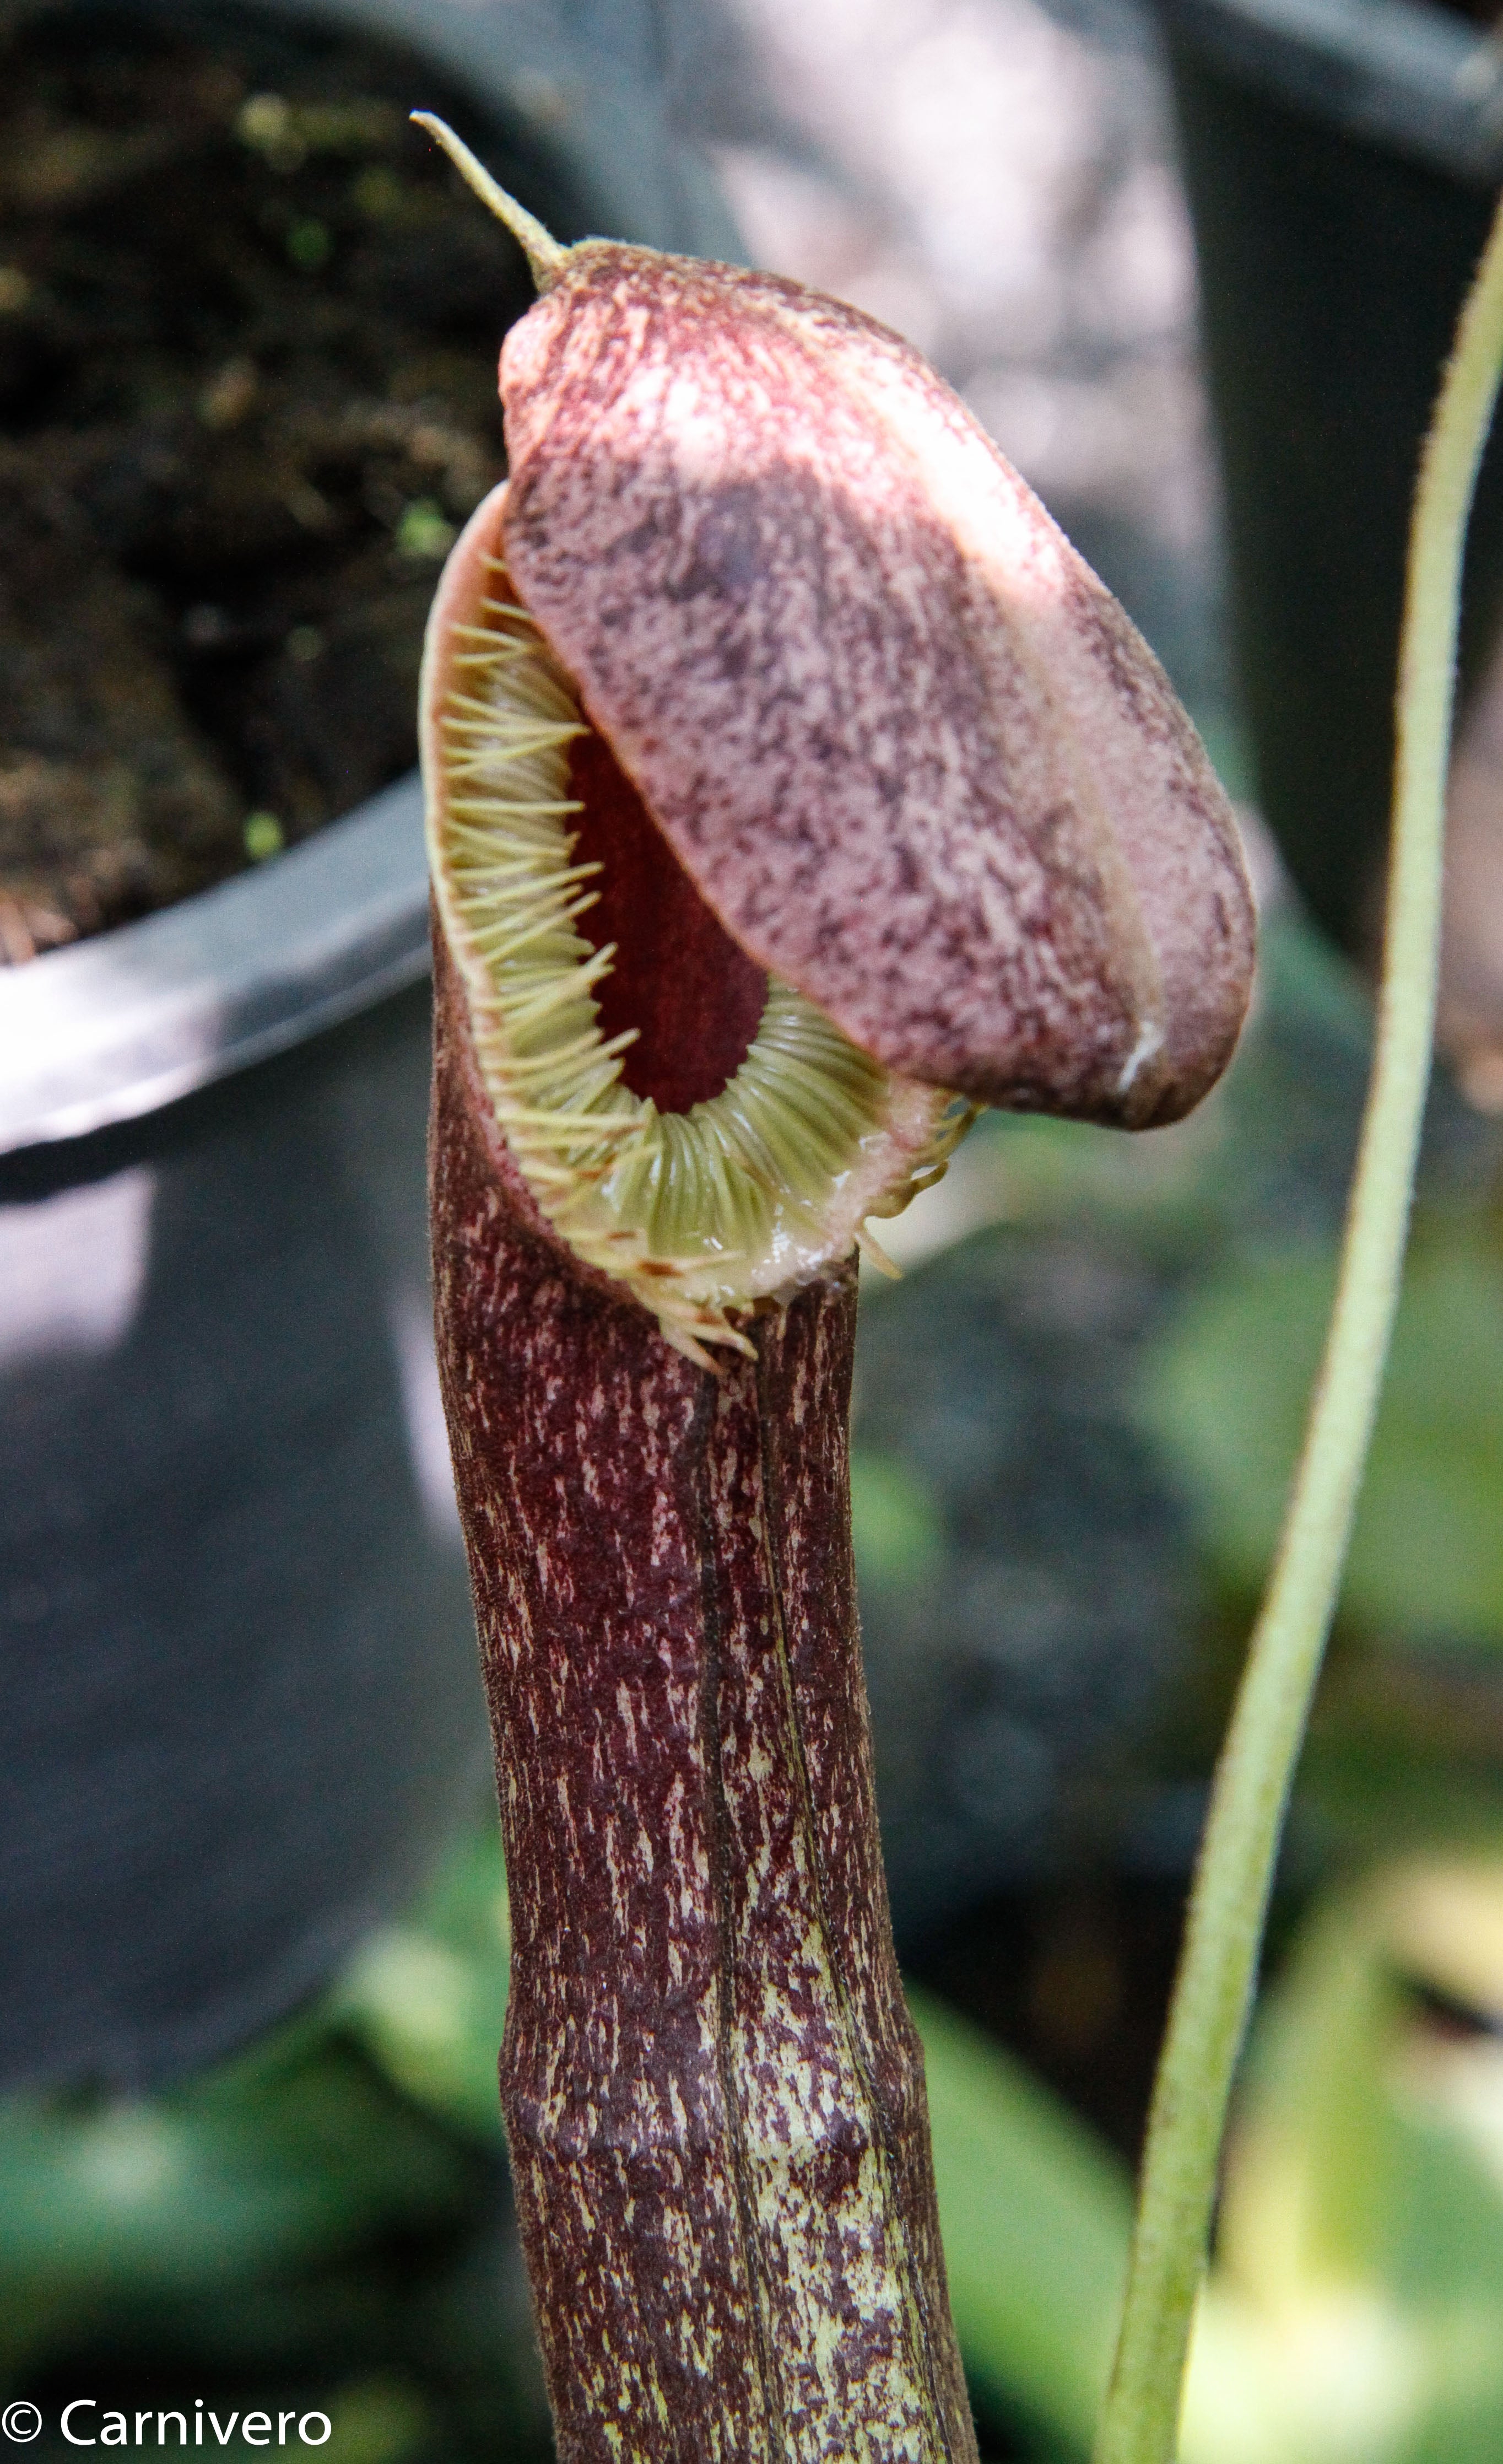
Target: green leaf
(428, 1999)
(1357, 2315)
(1228, 1395)
(896, 1521)
(230, 2188)
(134, 2208)
(1036, 2215)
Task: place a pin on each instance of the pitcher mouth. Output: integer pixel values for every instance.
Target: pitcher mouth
(728, 1142)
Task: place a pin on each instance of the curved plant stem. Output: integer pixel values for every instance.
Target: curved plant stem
(542, 251)
(1229, 1900)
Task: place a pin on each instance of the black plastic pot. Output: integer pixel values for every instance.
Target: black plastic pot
(241, 1706)
(1341, 159)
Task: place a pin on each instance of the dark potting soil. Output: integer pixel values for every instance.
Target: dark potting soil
(248, 326)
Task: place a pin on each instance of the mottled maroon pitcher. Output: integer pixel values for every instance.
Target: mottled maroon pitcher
(793, 789)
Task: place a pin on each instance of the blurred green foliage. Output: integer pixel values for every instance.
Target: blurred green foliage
(1227, 1396)
(1357, 2312)
(240, 2219)
(325, 2221)
(427, 1999)
(242, 2177)
(1036, 2215)
(896, 1521)
(321, 2222)
(233, 2230)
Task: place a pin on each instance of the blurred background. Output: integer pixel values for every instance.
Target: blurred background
(1195, 272)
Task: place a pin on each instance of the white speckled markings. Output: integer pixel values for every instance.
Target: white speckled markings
(713, 2095)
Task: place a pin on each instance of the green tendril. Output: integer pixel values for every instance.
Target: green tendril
(1229, 1900)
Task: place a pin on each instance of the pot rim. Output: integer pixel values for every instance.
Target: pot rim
(110, 1029)
(1410, 77)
